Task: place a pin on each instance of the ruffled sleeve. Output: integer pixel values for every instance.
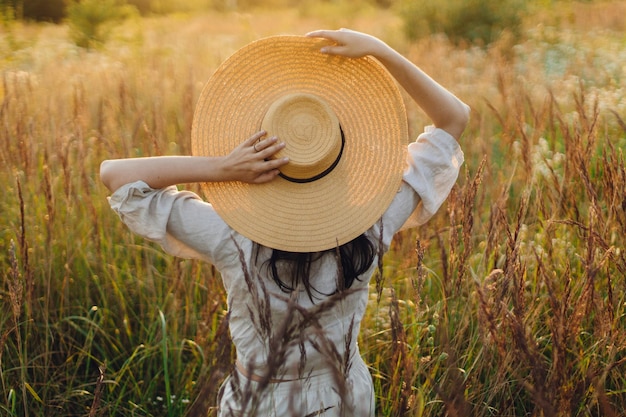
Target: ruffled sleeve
(433, 164)
(179, 221)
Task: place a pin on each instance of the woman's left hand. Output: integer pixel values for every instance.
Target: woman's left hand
(349, 43)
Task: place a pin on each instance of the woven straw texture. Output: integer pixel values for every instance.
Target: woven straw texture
(312, 131)
(337, 208)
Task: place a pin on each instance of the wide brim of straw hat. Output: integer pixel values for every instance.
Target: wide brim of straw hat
(331, 211)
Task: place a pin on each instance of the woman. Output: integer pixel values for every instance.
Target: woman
(301, 210)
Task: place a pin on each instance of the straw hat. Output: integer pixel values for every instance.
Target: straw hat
(344, 124)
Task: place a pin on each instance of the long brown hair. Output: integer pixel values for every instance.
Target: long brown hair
(353, 259)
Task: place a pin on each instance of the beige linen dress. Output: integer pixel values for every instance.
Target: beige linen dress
(303, 351)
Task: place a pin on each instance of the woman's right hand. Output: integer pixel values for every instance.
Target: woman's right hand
(248, 162)
(252, 160)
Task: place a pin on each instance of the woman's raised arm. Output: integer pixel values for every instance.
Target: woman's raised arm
(445, 110)
(249, 162)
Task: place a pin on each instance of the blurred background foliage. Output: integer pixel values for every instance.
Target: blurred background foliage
(463, 21)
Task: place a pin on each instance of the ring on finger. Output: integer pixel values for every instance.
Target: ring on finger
(254, 146)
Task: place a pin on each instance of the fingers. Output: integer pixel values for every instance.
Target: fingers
(333, 35)
(347, 42)
(270, 170)
(266, 176)
(254, 138)
(254, 158)
(335, 50)
(264, 144)
(275, 163)
(270, 167)
(318, 34)
(265, 148)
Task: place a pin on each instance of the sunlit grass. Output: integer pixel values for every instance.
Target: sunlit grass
(509, 302)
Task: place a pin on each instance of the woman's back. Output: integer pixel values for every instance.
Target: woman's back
(295, 332)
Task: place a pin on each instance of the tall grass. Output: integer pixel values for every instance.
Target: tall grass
(510, 302)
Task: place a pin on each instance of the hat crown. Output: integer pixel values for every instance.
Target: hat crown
(311, 132)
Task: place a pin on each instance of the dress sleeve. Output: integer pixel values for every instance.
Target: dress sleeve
(183, 224)
(433, 164)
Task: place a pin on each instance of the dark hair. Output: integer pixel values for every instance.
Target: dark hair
(353, 259)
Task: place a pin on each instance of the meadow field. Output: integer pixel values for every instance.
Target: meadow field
(510, 302)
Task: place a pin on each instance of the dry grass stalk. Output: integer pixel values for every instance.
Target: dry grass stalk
(468, 205)
(404, 372)
(16, 295)
(551, 377)
(97, 395)
(378, 275)
(28, 275)
(210, 377)
(417, 281)
(452, 390)
(16, 287)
